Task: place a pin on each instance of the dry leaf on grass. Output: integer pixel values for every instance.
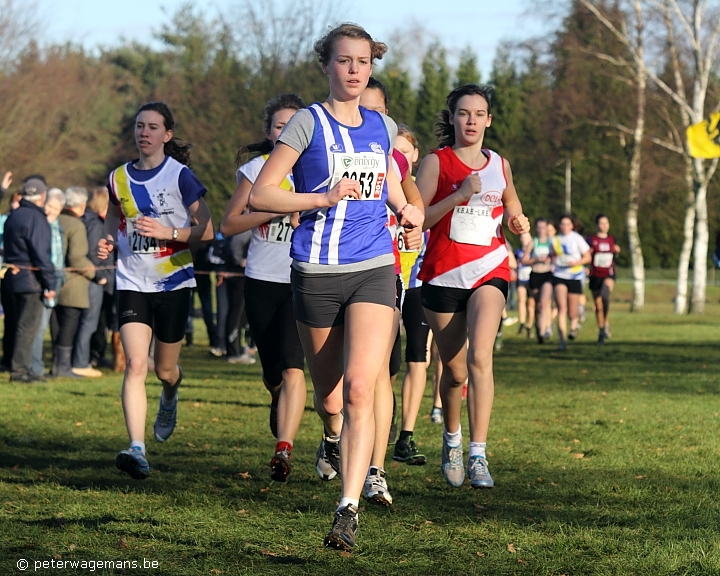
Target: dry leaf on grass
(268, 553)
(345, 554)
(579, 455)
(79, 423)
(480, 554)
(122, 543)
(244, 475)
(511, 548)
(215, 571)
(264, 490)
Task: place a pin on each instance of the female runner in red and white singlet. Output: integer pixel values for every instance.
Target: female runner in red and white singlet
(466, 189)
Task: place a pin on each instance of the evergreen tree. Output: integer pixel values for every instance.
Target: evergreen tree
(433, 90)
(467, 71)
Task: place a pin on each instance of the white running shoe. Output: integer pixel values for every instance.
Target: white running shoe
(453, 467)
(375, 489)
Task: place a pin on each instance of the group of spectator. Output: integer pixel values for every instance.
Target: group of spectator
(52, 276)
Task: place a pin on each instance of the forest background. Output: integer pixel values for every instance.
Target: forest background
(68, 113)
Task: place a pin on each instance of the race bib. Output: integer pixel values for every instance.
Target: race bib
(563, 260)
(142, 244)
(280, 230)
(472, 225)
(402, 247)
(524, 273)
(603, 259)
(368, 168)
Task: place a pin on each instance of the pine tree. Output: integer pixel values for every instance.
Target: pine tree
(433, 90)
(467, 71)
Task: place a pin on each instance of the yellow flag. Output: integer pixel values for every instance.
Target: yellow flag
(704, 138)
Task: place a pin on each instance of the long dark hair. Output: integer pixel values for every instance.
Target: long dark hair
(175, 148)
(287, 101)
(444, 129)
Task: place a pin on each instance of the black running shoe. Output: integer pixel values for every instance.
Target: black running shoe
(573, 334)
(342, 533)
(280, 465)
(273, 417)
(327, 461)
(407, 452)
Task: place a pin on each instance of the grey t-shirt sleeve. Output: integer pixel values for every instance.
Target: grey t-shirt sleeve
(298, 132)
(391, 128)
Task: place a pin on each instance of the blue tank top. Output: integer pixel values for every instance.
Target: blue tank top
(354, 230)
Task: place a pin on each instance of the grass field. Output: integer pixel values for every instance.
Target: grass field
(605, 461)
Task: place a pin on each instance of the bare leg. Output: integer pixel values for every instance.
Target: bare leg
(136, 342)
(522, 304)
(291, 404)
(166, 366)
(561, 297)
(484, 309)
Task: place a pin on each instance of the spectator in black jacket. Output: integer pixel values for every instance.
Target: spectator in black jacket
(32, 280)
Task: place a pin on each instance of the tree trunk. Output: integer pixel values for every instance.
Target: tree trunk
(687, 245)
(702, 236)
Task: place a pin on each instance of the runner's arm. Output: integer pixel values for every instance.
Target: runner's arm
(236, 219)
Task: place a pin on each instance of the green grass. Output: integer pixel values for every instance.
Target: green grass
(642, 412)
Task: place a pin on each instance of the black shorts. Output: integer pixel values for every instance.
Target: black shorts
(596, 282)
(320, 300)
(165, 312)
(442, 299)
(396, 356)
(399, 292)
(573, 286)
(269, 310)
(416, 327)
(537, 279)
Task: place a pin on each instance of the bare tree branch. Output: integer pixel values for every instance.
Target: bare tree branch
(18, 21)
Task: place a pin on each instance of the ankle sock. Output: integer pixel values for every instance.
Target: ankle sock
(139, 445)
(404, 435)
(453, 439)
(477, 449)
(345, 501)
(333, 439)
(283, 446)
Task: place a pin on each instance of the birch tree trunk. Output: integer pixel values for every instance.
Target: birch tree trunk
(688, 232)
(702, 236)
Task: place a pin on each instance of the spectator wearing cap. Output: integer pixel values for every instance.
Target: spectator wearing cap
(31, 282)
(74, 295)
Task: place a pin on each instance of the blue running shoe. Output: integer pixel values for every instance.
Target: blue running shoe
(167, 417)
(452, 464)
(134, 462)
(479, 473)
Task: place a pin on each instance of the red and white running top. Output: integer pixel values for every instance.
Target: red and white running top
(467, 246)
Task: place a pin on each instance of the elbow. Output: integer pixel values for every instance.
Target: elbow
(209, 233)
(224, 229)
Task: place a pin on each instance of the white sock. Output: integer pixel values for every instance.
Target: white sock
(477, 449)
(138, 444)
(453, 439)
(333, 439)
(345, 501)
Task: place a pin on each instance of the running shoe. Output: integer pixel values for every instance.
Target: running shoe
(134, 462)
(407, 452)
(608, 335)
(244, 358)
(563, 345)
(375, 489)
(167, 417)
(342, 533)
(436, 416)
(452, 464)
(529, 332)
(274, 417)
(327, 463)
(498, 342)
(280, 465)
(217, 352)
(521, 328)
(601, 336)
(573, 334)
(509, 321)
(479, 473)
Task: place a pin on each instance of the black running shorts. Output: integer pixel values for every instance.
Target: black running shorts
(445, 300)
(596, 282)
(269, 310)
(537, 279)
(165, 312)
(320, 300)
(416, 327)
(573, 286)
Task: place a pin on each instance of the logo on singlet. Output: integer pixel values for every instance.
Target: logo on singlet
(161, 199)
(492, 198)
(337, 148)
(375, 147)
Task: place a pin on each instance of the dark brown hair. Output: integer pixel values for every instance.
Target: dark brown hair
(324, 47)
(444, 128)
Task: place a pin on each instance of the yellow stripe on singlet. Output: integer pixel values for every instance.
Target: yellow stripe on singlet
(122, 189)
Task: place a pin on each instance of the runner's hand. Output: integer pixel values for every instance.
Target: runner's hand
(410, 216)
(413, 238)
(470, 186)
(342, 190)
(519, 224)
(151, 228)
(6, 181)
